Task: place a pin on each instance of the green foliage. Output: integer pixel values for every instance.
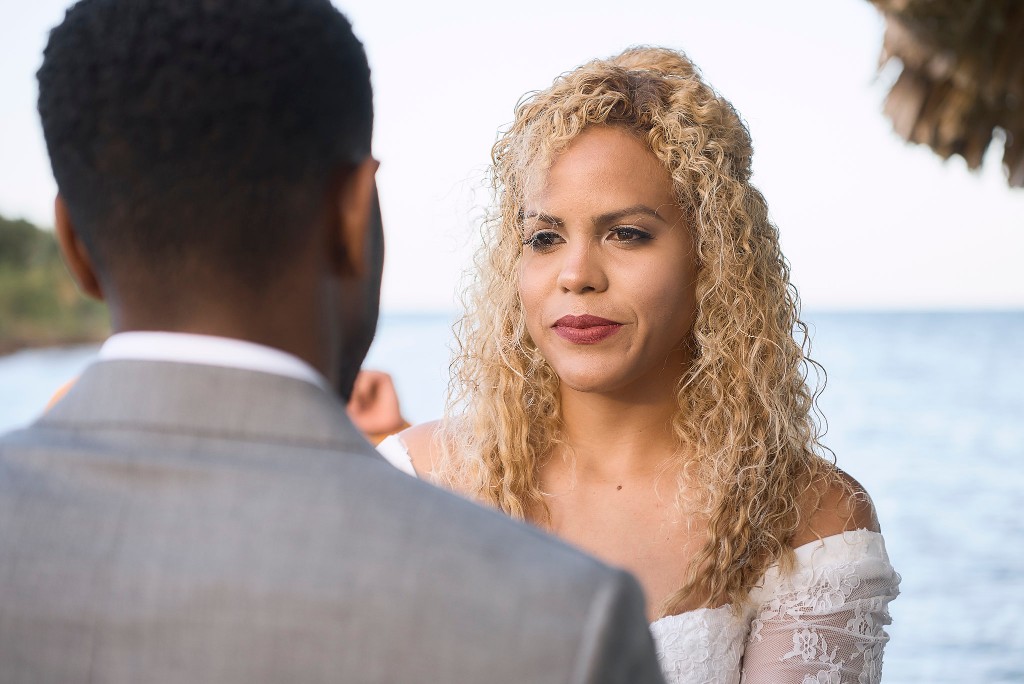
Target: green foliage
(20, 243)
(39, 303)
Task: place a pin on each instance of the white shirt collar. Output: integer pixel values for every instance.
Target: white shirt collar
(208, 350)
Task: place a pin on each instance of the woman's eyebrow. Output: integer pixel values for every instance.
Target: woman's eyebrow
(607, 217)
(541, 216)
(613, 216)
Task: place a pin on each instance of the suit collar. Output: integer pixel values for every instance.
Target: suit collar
(201, 400)
(208, 350)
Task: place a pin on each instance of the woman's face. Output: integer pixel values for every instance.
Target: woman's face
(607, 273)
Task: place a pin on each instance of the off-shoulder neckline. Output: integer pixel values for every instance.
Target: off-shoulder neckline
(833, 539)
(804, 554)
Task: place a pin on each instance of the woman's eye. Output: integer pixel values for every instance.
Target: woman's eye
(629, 234)
(542, 240)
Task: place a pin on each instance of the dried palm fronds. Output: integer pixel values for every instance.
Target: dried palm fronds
(962, 76)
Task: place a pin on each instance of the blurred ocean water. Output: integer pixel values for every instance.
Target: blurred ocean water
(926, 410)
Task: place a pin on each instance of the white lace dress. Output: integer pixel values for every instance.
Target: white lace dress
(822, 624)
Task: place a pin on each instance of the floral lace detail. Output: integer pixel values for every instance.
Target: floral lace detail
(823, 624)
(701, 646)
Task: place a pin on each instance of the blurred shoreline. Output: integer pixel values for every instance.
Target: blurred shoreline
(40, 305)
(13, 346)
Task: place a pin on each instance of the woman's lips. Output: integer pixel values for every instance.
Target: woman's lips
(585, 329)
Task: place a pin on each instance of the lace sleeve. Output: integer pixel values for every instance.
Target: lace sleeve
(824, 623)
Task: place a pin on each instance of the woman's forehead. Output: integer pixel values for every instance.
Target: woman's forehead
(601, 166)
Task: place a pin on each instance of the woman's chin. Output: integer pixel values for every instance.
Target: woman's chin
(592, 382)
(622, 381)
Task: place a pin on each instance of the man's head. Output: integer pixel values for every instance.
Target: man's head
(211, 155)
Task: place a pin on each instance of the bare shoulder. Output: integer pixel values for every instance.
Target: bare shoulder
(424, 447)
(842, 505)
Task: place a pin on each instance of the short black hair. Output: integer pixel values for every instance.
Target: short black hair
(185, 131)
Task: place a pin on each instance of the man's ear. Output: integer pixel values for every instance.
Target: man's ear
(353, 205)
(76, 257)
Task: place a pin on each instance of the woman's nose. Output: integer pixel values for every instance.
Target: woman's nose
(581, 269)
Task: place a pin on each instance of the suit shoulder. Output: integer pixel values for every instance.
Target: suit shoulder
(435, 513)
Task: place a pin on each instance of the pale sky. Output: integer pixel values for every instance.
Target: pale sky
(867, 221)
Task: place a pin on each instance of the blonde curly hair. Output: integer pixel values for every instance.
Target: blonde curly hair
(746, 413)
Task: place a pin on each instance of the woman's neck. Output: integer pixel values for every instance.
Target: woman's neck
(620, 435)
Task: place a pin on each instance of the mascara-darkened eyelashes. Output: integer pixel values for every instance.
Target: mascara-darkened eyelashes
(542, 239)
(630, 234)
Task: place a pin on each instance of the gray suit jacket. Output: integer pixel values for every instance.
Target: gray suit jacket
(170, 522)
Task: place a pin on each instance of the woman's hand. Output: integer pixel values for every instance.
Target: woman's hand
(374, 406)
